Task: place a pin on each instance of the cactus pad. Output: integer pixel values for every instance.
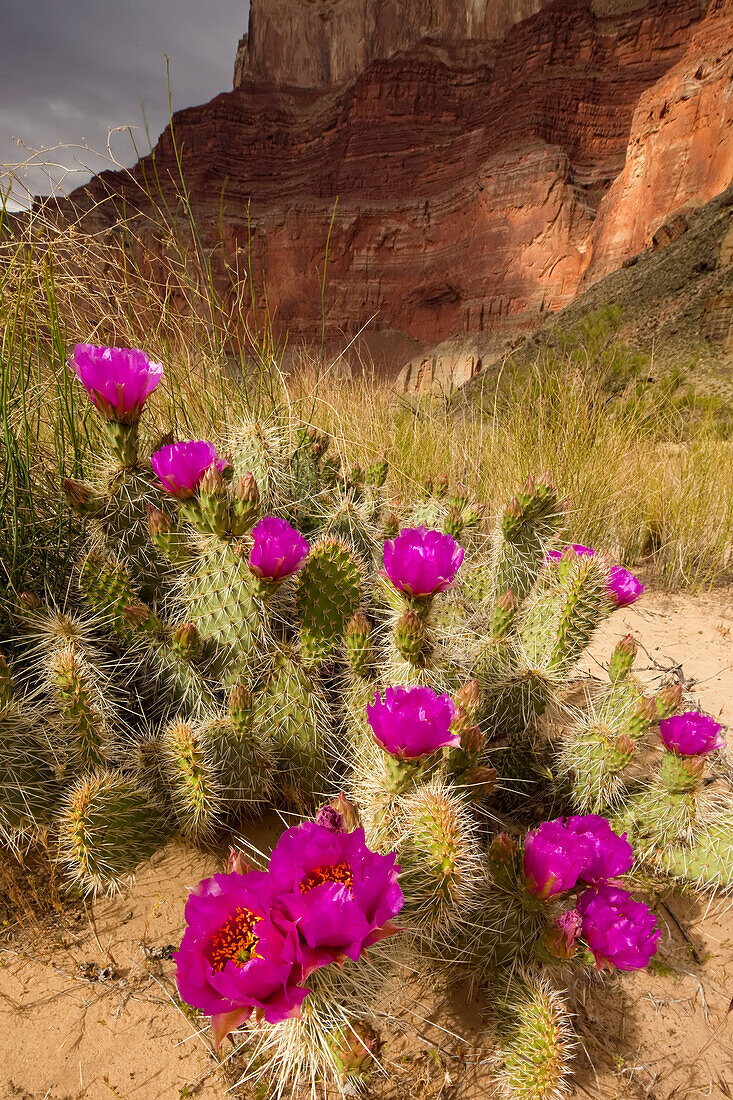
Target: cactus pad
(330, 589)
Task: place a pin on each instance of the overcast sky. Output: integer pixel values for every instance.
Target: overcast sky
(72, 70)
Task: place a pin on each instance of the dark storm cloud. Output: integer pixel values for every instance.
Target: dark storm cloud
(73, 70)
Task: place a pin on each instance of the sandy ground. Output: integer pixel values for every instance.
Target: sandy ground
(91, 1011)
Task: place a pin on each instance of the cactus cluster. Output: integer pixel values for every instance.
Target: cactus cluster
(256, 626)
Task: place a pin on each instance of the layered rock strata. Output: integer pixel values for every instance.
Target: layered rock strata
(476, 163)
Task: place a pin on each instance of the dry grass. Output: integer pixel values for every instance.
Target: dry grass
(633, 489)
(33, 893)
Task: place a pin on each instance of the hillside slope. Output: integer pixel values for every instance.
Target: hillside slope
(675, 300)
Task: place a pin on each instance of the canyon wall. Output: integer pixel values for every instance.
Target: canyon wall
(478, 162)
(680, 151)
(323, 43)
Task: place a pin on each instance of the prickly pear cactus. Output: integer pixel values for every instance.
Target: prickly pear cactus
(254, 627)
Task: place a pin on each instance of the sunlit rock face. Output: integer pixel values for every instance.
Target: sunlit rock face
(482, 161)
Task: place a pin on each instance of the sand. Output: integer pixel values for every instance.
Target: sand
(90, 1011)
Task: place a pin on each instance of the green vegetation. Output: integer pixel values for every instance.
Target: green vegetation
(647, 465)
(159, 689)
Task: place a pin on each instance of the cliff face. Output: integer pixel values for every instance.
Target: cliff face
(680, 151)
(322, 43)
(485, 159)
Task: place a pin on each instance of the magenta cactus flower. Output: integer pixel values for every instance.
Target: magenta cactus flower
(118, 380)
(691, 733)
(240, 953)
(340, 894)
(581, 551)
(620, 931)
(608, 854)
(623, 587)
(180, 466)
(421, 562)
(279, 550)
(412, 721)
(554, 859)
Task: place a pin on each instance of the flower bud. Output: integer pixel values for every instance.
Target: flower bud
(460, 495)
(644, 717)
(481, 779)
(137, 614)
(502, 853)
(212, 482)
(528, 491)
(245, 501)
(80, 496)
(29, 602)
(329, 818)
(186, 641)
(473, 513)
(391, 526)
(560, 939)
(237, 864)
(319, 443)
(512, 516)
(621, 753)
(472, 739)
(441, 486)
(622, 658)
(355, 1049)
(158, 522)
(668, 700)
(241, 707)
(357, 639)
(349, 813)
(246, 489)
(165, 440)
(453, 525)
(468, 697)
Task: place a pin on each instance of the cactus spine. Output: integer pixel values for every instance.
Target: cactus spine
(107, 826)
(539, 1043)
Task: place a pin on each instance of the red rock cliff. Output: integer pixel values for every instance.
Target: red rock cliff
(487, 159)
